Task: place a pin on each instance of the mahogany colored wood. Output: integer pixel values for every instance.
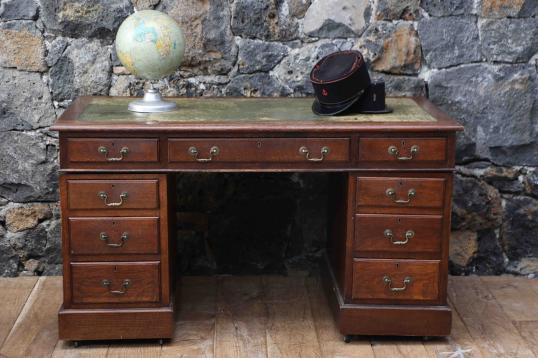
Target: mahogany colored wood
(280, 150)
(85, 194)
(372, 194)
(116, 323)
(90, 150)
(359, 211)
(371, 276)
(407, 234)
(113, 235)
(431, 152)
(126, 282)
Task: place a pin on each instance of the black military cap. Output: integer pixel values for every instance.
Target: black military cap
(339, 80)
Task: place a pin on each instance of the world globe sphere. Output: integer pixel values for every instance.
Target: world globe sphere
(150, 44)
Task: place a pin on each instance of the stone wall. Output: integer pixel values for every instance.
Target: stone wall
(476, 59)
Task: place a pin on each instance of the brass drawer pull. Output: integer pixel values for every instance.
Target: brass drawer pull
(306, 153)
(213, 152)
(104, 197)
(104, 150)
(396, 153)
(391, 193)
(104, 237)
(124, 286)
(409, 234)
(388, 282)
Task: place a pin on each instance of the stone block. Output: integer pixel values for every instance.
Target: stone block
(449, 41)
(493, 102)
(28, 167)
(20, 218)
(266, 20)
(9, 260)
(391, 47)
(210, 46)
(18, 10)
(84, 68)
(463, 247)
(396, 9)
(25, 101)
(448, 7)
(508, 8)
(475, 205)
(85, 18)
(259, 56)
(520, 227)
(336, 18)
(22, 46)
(509, 40)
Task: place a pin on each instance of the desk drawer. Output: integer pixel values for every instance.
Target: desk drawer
(115, 282)
(113, 194)
(398, 234)
(403, 152)
(395, 280)
(307, 150)
(112, 150)
(113, 235)
(398, 194)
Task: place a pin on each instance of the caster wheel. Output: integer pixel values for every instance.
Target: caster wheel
(426, 338)
(76, 344)
(348, 338)
(161, 342)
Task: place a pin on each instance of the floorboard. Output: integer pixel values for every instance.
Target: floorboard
(35, 333)
(515, 295)
(331, 341)
(489, 326)
(290, 327)
(13, 294)
(195, 328)
(241, 318)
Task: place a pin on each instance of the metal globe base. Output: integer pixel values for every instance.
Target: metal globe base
(152, 103)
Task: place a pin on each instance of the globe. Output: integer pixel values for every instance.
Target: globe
(150, 44)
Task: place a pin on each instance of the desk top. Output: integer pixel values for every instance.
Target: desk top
(247, 114)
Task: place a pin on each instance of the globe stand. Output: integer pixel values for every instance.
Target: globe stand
(152, 103)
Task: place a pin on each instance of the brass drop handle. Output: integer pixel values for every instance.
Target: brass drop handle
(306, 153)
(391, 193)
(104, 196)
(124, 286)
(104, 237)
(396, 153)
(213, 152)
(388, 282)
(104, 150)
(409, 234)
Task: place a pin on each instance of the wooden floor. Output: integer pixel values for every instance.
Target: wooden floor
(273, 316)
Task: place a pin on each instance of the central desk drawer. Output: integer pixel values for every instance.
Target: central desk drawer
(395, 280)
(307, 150)
(115, 282)
(115, 235)
(113, 194)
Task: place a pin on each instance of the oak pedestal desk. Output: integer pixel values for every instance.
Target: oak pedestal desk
(385, 271)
